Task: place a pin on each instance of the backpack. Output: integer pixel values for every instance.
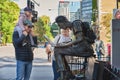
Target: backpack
(88, 33)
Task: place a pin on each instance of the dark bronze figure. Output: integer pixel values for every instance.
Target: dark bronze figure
(79, 47)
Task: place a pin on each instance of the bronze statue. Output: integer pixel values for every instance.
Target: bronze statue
(79, 47)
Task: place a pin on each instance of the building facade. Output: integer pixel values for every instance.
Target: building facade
(63, 8)
(70, 9)
(86, 10)
(75, 10)
(105, 8)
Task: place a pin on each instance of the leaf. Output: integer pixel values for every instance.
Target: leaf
(42, 27)
(106, 22)
(10, 13)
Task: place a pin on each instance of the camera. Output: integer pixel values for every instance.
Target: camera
(27, 43)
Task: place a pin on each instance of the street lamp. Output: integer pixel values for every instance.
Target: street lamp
(117, 3)
(53, 9)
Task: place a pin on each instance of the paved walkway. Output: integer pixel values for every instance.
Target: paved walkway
(42, 69)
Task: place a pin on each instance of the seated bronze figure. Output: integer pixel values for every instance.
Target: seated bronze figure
(79, 47)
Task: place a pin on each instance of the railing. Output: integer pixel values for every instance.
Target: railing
(79, 66)
(103, 71)
(112, 72)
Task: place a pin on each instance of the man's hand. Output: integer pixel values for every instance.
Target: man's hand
(32, 32)
(25, 33)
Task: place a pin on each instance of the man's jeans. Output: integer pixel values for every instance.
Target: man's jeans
(56, 74)
(23, 70)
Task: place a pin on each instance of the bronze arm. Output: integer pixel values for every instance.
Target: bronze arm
(69, 43)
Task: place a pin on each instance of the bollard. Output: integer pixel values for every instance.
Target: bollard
(115, 57)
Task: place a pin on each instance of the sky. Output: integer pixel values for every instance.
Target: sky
(74, 6)
(47, 7)
(44, 7)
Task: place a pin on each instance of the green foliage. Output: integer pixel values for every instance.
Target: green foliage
(94, 4)
(54, 27)
(42, 27)
(94, 8)
(106, 22)
(9, 13)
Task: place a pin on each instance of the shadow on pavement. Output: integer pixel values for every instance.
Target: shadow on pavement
(38, 72)
(11, 62)
(41, 69)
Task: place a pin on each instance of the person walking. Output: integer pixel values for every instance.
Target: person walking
(99, 47)
(23, 42)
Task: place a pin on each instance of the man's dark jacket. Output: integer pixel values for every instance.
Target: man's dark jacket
(22, 52)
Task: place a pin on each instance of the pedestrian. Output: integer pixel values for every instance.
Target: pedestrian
(64, 37)
(117, 14)
(99, 47)
(109, 51)
(23, 43)
(25, 14)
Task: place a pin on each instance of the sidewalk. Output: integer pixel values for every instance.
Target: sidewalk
(7, 56)
(41, 67)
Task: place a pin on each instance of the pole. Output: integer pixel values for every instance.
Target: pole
(36, 3)
(117, 3)
(28, 3)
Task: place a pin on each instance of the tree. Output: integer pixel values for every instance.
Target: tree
(55, 29)
(9, 16)
(106, 23)
(94, 10)
(42, 27)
